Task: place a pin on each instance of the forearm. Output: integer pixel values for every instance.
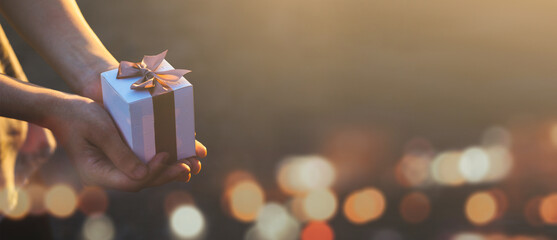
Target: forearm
(28, 102)
(58, 31)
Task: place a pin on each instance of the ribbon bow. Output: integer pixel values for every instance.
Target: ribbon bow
(147, 69)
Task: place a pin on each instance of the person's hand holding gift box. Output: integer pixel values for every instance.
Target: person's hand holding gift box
(152, 106)
(80, 123)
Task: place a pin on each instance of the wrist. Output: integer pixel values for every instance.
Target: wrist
(58, 107)
(90, 80)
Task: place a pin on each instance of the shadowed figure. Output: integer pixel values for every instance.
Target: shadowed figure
(23, 147)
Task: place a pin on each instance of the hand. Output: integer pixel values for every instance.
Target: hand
(93, 91)
(93, 144)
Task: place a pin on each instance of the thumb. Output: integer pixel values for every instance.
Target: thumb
(121, 155)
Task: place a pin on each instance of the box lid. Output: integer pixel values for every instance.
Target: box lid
(122, 86)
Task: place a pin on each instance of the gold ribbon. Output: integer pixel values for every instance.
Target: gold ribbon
(147, 70)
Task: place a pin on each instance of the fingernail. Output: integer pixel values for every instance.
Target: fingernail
(188, 168)
(140, 171)
(194, 168)
(188, 177)
(197, 167)
(204, 153)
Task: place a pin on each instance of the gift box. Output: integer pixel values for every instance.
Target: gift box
(152, 105)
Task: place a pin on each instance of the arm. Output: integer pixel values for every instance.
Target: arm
(58, 31)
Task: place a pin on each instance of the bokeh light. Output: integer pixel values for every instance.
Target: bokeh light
(175, 199)
(415, 207)
(245, 199)
(21, 208)
(413, 170)
(364, 205)
(501, 163)
(548, 209)
(92, 200)
(474, 164)
(296, 207)
(300, 174)
(252, 234)
(243, 196)
(468, 236)
(237, 176)
(187, 222)
(445, 168)
(481, 208)
(318, 231)
(98, 227)
(497, 136)
(501, 200)
(553, 134)
(36, 193)
(61, 200)
(320, 204)
(274, 222)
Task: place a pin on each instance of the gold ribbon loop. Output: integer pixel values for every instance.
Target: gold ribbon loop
(147, 70)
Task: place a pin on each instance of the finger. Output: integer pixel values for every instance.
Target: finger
(194, 164)
(157, 165)
(120, 154)
(104, 173)
(176, 171)
(185, 178)
(200, 149)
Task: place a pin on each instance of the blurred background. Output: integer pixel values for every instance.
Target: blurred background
(327, 119)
